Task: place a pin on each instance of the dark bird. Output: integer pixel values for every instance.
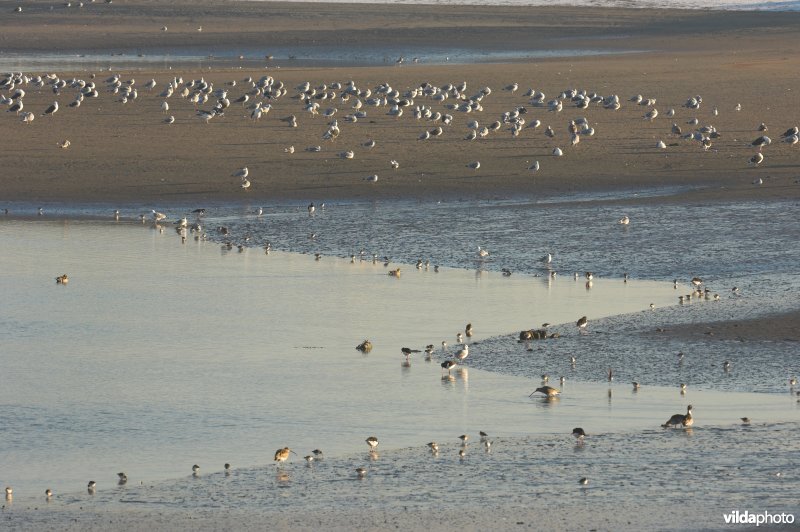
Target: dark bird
(547, 391)
(680, 419)
(51, 110)
(407, 351)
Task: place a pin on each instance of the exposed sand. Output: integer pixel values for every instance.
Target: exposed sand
(777, 327)
(124, 152)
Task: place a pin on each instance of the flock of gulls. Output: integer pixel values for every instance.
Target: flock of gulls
(443, 111)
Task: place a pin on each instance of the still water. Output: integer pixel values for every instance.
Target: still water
(158, 355)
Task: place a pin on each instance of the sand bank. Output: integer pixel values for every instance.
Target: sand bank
(125, 152)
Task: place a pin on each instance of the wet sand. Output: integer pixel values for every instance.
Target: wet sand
(124, 152)
(784, 327)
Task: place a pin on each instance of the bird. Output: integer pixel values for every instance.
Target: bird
(91, 486)
(16, 107)
(636, 386)
(468, 329)
(227, 466)
(482, 252)
(123, 478)
(434, 447)
(51, 110)
(462, 353)
(548, 391)
(48, 493)
(245, 184)
(365, 346)
(761, 141)
(9, 492)
(756, 159)
(372, 441)
(361, 472)
(625, 220)
(791, 131)
(582, 323)
(464, 438)
(448, 365)
(684, 420)
(459, 338)
(158, 216)
(195, 469)
(745, 420)
(583, 481)
(578, 433)
(474, 165)
(534, 167)
(62, 279)
(696, 281)
(281, 455)
(311, 208)
(241, 172)
(407, 351)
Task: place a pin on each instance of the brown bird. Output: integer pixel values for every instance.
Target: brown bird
(281, 455)
(680, 419)
(547, 390)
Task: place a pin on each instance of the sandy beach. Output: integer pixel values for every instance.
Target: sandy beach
(124, 154)
(119, 152)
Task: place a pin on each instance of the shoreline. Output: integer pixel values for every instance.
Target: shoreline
(536, 495)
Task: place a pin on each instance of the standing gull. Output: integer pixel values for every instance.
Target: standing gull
(51, 110)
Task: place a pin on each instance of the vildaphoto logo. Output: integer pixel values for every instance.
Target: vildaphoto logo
(760, 518)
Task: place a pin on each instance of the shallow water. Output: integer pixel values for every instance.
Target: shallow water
(158, 355)
(190, 353)
(226, 57)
